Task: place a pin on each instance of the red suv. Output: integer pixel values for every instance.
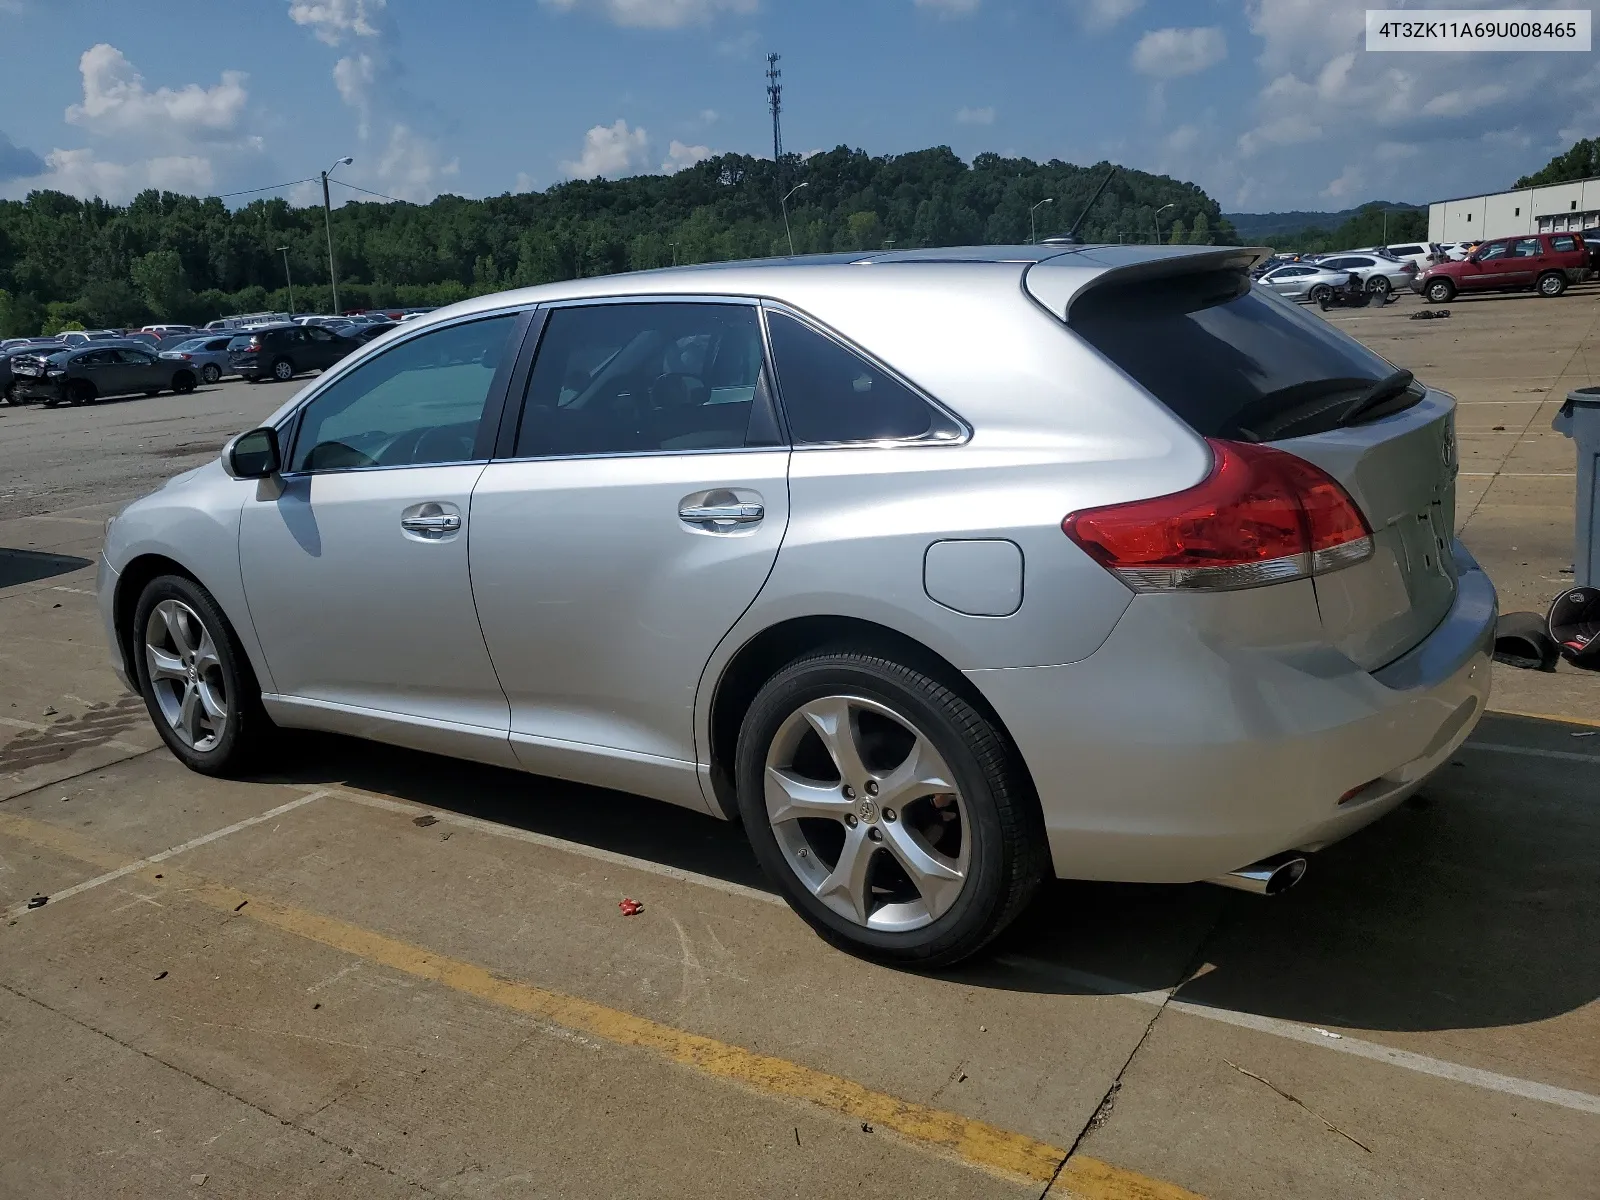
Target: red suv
(1546, 262)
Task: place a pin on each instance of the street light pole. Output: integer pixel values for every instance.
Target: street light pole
(289, 277)
(327, 224)
(1156, 220)
(784, 204)
(1033, 227)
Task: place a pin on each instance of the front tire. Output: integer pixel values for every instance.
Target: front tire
(1552, 284)
(1441, 291)
(183, 382)
(82, 393)
(195, 679)
(888, 810)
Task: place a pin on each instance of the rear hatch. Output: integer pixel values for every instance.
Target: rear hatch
(1239, 363)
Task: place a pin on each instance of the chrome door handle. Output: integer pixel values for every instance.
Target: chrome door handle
(436, 525)
(722, 514)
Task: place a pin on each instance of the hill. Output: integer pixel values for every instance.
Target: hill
(1254, 225)
(184, 258)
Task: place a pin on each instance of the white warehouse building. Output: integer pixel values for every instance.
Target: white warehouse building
(1554, 208)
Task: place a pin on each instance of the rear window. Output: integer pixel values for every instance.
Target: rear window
(1231, 360)
(242, 342)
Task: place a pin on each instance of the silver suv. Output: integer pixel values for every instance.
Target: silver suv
(943, 571)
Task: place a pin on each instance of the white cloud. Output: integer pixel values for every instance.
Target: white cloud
(741, 45)
(1182, 139)
(810, 154)
(680, 156)
(709, 116)
(1170, 53)
(950, 8)
(411, 166)
(356, 77)
(82, 173)
(115, 101)
(975, 116)
(1346, 186)
(612, 151)
(1099, 15)
(334, 20)
(1287, 130)
(525, 183)
(657, 14)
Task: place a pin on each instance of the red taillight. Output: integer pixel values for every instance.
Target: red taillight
(1262, 516)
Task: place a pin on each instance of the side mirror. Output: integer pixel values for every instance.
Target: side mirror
(253, 455)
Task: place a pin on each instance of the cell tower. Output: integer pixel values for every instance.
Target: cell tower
(775, 102)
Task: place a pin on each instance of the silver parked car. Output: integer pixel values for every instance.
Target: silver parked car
(207, 354)
(944, 571)
(1377, 272)
(1304, 281)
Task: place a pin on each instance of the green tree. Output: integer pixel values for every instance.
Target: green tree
(1580, 161)
(1200, 235)
(864, 231)
(1180, 235)
(159, 278)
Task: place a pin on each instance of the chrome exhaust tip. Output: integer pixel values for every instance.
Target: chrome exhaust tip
(1269, 877)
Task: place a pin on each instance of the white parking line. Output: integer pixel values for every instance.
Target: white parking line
(555, 843)
(1533, 752)
(1308, 1035)
(205, 839)
(1518, 474)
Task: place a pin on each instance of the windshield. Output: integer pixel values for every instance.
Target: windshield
(242, 342)
(191, 344)
(1232, 360)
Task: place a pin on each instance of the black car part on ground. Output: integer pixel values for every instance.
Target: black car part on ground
(1522, 640)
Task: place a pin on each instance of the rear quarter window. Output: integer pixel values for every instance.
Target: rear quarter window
(1231, 360)
(1562, 245)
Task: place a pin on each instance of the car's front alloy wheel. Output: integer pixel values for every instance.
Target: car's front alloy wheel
(196, 680)
(888, 809)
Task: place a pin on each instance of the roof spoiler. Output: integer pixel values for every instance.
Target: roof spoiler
(1057, 283)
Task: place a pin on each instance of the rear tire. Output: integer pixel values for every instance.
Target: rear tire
(210, 373)
(196, 681)
(942, 865)
(1441, 291)
(1378, 285)
(1320, 293)
(1552, 284)
(282, 370)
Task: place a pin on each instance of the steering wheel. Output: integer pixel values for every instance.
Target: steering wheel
(443, 444)
(329, 456)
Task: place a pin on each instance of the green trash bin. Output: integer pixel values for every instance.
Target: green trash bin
(1579, 419)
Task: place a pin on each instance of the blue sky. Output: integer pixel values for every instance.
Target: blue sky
(1267, 104)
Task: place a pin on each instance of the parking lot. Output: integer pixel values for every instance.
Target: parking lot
(395, 974)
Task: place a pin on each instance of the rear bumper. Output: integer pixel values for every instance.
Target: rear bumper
(1168, 756)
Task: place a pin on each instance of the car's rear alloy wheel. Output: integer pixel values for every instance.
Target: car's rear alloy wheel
(283, 370)
(1378, 285)
(196, 680)
(888, 809)
(210, 373)
(1320, 293)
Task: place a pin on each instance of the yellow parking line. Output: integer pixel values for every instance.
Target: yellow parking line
(976, 1143)
(1533, 716)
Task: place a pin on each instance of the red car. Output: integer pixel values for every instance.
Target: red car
(1545, 262)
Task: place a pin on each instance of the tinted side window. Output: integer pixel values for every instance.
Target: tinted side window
(1493, 250)
(1528, 248)
(420, 402)
(635, 378)
(831, 394)
(1562, 245)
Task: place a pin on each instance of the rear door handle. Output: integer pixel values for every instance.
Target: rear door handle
(732, 514)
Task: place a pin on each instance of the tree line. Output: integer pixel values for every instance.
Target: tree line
(1366, 228)
(66, 262)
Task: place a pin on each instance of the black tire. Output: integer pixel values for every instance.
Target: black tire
(210, 373)
(1440, 291)
(247, 730)
(1378, 285)
(81, 392)
(1007, 856)
(282, 370)
(1551, 284)
(183, 382)
(1320, 293)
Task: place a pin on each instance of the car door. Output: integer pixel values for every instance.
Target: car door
(636, 516)
(355, 564)
(1288, 281)
(100, 368)
(322, 348)
(1524, 262)
(1486, 267)
(141, 372)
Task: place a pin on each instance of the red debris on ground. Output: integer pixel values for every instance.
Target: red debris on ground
(630, 908)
